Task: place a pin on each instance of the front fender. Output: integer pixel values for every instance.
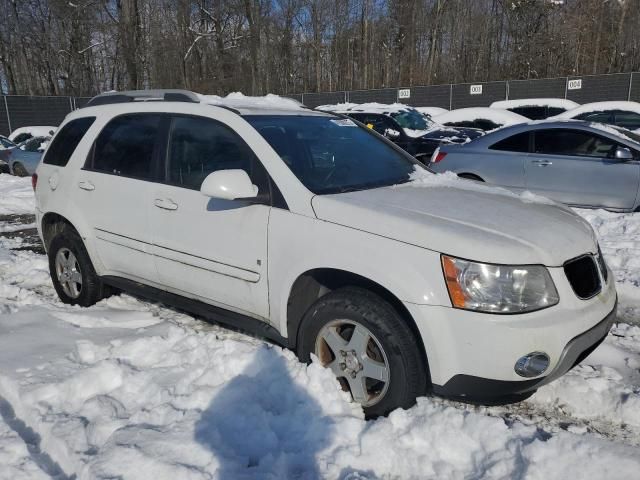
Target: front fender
(299, 243)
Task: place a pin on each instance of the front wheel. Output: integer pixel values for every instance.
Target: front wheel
(368, 346)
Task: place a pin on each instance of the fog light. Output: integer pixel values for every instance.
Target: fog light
(532, 364)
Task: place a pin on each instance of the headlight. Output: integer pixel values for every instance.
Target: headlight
(498, 288)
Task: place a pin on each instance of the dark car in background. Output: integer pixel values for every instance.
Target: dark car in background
(408, 128)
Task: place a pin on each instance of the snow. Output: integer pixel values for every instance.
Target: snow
(132, 389)
(617, 131)
(239, 100)
(370, 107)
(431, 111)
(424, 179)
(496, 115)
(598, 107)
(39, 131)
(536, 102)
(16, 195)
(338, 107)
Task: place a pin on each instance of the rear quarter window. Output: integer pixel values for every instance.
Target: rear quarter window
(515, 143)
(66, 141)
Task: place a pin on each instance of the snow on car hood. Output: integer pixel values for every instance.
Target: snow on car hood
(461, 218)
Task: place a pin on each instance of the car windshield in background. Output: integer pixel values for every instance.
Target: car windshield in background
(332, 154)
(411, 119)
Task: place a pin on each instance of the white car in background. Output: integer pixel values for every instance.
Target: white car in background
(536, 108)
(325, 237)
(483, 118)
(621, 114)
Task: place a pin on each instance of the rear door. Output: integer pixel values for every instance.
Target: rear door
(116, 187)
(207, 248)
(503, 163)
(577, 167)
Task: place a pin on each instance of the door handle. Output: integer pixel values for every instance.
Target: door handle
(87, 186)
(165, 204)
(542, 163)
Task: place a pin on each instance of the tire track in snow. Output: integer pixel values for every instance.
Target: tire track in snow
(32, 441)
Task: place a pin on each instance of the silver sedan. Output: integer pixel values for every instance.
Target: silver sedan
(578, 163)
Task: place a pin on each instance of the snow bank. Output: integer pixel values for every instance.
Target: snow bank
(16, 195)
(495, 115)
(536, 102)
(39, 131)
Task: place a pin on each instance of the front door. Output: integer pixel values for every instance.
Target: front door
(577, 167)
(211, 249)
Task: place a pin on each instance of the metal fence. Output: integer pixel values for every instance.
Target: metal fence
(583, 89)
(19, 111)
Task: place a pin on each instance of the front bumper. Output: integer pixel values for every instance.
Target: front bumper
(473, 354)
(485, 389)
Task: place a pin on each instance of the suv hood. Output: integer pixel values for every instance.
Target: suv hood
(469, 221)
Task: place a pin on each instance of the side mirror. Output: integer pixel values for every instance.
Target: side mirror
(391, 134)
(228, 185)
(623, 154)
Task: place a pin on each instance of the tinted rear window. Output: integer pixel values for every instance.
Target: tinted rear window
(515, 143)
(125, 146)
(67, 140)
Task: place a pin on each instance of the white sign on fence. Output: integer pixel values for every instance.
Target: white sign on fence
(404, 93)
(475, 90)
(575, 84)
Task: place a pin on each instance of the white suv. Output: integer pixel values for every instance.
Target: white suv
(312, 231)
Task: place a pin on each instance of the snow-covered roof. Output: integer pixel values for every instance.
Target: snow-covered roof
(536, 102)
(37, 131)
(269, 103)
(337, 107)
(495, 115)
(599, 107)
(371, 107)
(431, 111)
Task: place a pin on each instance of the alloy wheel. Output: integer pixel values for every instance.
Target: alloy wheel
(357, 359)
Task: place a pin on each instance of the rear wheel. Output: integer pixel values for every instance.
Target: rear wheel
(72, 272)
(19, 170)
(368, 346)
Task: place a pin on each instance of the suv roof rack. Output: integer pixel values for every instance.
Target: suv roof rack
(170, 95)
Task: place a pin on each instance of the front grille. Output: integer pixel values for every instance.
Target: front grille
(582, 273)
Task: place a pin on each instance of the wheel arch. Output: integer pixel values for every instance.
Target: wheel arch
(315, 283)
(51, 224)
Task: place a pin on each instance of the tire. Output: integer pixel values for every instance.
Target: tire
(470, 176)
(392, 343)
(88, 288)
(19, 170)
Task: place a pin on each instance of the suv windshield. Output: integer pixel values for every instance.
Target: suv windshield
(411, 119)
(332, 154)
